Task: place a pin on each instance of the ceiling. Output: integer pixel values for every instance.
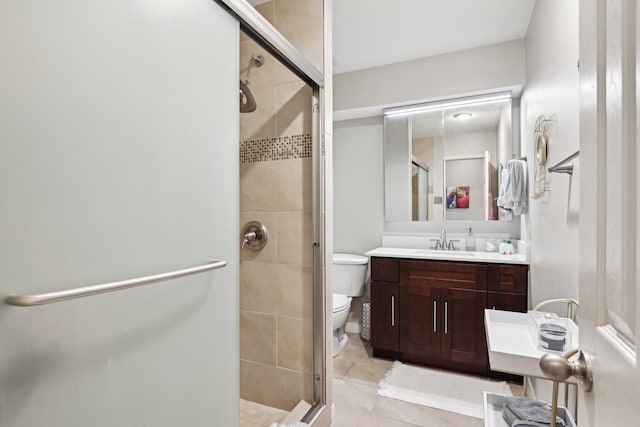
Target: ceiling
(370, 33)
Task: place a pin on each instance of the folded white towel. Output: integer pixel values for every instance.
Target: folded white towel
(513, 196)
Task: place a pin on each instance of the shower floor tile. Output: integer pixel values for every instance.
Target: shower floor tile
(256, 415)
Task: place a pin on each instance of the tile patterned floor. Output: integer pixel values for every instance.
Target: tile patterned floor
(355, 381)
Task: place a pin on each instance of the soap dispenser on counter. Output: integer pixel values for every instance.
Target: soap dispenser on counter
(470, 241)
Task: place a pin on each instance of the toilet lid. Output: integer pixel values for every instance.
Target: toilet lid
(350, 259)
(340, 302)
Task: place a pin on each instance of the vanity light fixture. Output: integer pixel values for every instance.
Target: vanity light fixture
(462, 116)
(448, 104)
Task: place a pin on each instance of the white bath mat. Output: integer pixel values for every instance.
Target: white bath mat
(437, 389)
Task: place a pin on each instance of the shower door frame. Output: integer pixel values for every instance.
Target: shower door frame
(268, 37)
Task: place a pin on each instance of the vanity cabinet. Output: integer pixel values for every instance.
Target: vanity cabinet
(432, 312)
(442, 314)
(385, 299)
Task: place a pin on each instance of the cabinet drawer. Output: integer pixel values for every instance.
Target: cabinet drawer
(385, 270)
(508, 278)
(439, 274)
(507, 301)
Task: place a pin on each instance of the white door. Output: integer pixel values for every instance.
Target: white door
(609, 211)
(118, 159)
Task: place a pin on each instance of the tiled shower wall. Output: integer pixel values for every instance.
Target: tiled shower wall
(276, 288)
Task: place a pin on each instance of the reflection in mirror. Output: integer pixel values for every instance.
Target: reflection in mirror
(469, 171)
(459, 145)
(419, 190)
(458, 197)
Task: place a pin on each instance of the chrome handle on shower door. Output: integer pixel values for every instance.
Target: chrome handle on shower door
(393, 310)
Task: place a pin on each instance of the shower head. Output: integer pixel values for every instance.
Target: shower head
(247, 101)
(257, 61)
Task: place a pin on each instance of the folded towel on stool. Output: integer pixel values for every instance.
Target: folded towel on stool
(535, 412)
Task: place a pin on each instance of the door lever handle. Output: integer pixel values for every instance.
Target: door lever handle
(559, 368)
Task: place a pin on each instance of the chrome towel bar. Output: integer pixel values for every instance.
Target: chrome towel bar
(67, 294)
(564, 166)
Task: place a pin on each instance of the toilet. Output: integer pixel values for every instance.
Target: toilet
(348, 275)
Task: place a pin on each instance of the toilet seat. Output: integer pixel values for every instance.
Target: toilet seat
(349, 259)
(340, 302)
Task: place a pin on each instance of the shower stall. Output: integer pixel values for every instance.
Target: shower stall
(282, 298)
(121, 165)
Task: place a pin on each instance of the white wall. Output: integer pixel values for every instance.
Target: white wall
(552, 90)
(358, 185)
(506, 140)
(471, 143)
(364, 93)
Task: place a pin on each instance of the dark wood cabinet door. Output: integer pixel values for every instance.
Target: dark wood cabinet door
(508, 278)
(463, 333)
(384, 316)
(507, 301)
(420, 321)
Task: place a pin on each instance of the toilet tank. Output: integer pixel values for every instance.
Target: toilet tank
(348, 274)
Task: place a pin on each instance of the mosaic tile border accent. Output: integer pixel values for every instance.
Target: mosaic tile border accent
(279, 148)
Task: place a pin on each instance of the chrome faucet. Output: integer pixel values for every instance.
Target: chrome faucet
(442, 242)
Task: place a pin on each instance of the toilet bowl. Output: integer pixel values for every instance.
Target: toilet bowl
(341, 309)
(348, 279)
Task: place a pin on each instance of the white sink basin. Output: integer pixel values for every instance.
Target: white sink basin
(511, 342)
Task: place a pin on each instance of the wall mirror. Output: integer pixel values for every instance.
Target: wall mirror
(441, 159)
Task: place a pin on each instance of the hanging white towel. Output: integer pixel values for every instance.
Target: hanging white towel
(513, 196)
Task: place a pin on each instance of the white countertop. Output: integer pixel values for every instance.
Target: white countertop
(491, 257)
